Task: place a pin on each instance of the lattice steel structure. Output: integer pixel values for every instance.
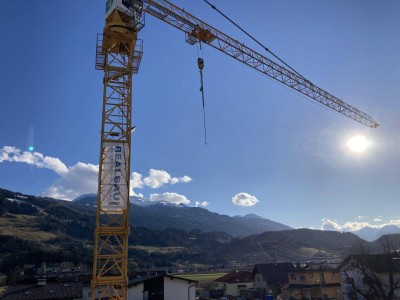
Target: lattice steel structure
(198, 31)
(118, 54)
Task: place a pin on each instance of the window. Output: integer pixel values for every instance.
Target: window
(292, 276)
(302, 277)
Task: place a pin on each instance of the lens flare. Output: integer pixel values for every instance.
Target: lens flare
(30, 148)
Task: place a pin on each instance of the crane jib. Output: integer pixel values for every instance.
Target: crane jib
(196, 30)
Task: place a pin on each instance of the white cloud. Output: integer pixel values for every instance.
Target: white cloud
(79, 179)
(393, 222)
(185, 179)
(360, 217)
(332, 225)
(328, 224)
(244, 199)
(352, 226)
(158, 178)
(135, 182)
(170, 197)
(13, 154)
(82, 178)
(198, 204)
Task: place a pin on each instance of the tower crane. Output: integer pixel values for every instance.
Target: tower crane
(118, 55)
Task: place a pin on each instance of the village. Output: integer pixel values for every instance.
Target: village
(367, 276)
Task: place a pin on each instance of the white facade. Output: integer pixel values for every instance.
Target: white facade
(136, 292)
(233, 289)
(174, 289)
(178, 289)
(259, 282)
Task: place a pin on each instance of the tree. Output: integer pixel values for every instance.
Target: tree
(374, 276)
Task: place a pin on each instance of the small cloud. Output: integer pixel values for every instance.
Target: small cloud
(244, 199)
(136, 180)
(158, 178)
(185, 179)
(170, 197)
(394, 222)
(331, 225)
(13, 154)
(378, 220)
(360, 217)
(353, 226)
(79, 179)
(199, 204)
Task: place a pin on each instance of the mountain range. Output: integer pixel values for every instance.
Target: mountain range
(371, 234)
(161, 215)
(200, 218)
(36, 229)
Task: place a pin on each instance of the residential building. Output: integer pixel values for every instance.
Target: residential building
(155, 285)
(370, 276)
(270, 278)
(161, 287)
(233, 282)
(315, 281)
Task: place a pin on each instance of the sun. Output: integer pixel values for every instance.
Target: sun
(358, 143)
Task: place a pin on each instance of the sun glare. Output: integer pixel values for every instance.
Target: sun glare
(358, 143)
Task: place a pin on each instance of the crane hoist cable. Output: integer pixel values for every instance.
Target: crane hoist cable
(200, 64)
(254, 39)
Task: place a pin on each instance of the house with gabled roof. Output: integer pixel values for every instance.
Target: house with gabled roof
(315, 281)
(161, 286)
(272, 277)
(233, 282)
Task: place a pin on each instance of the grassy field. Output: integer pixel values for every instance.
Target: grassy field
(24, 227)
(314, 251)
(162, 250)
(201, 278)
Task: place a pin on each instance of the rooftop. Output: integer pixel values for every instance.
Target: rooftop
(50, 291)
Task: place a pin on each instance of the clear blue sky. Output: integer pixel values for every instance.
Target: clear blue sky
(263, 139)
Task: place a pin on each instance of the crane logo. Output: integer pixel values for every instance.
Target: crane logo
(114, 194)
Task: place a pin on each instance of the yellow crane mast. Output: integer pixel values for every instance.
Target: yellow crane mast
(118, 55)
